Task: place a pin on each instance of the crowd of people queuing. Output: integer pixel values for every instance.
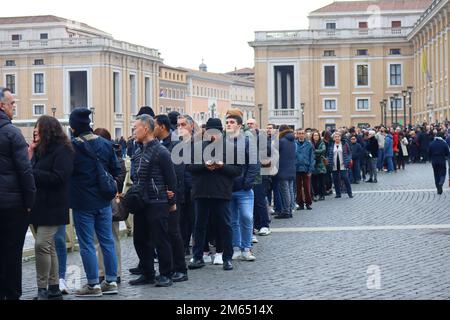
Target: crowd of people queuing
(212, 208)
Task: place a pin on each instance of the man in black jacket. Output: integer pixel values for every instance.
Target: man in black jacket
(162, 133)
(155, 172)
(17, 194)
(212, 188)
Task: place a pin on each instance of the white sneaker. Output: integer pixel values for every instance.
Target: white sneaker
(207, 257)
(218, 259)
(247, 256)
(236, 254)
(63, 287)
(264, 231)
(271, 211)
(254, 239)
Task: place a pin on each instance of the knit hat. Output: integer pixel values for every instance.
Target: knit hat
(214, 123)
(146, 110)
(173, 116)
(80, 121)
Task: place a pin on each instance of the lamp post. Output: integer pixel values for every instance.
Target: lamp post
(53, 111)
(260, 106)
(302, 106)
(382, 110)
(410, 91)
(392, 110)
(93, 114)
(385, 102)
(396, 109)
(405, 94)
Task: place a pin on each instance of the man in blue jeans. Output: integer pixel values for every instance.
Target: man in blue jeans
(389, 152)
(91, 212)
(243, 197)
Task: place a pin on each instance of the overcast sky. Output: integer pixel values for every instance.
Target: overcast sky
(184, 31)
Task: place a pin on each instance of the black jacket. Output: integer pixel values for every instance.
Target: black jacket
(17, 187)
(120, 179)
(155, 172)
(217, 184)
(372, 147)
(52, 173)
(179, 168)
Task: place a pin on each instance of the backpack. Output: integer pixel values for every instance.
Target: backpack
(107, 183)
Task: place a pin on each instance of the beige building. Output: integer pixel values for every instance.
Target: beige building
(210, 95)
(53, 65)
(172, 89)
(354, 55)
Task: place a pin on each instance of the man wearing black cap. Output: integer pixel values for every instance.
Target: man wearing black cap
(91, 211)
(212, 188)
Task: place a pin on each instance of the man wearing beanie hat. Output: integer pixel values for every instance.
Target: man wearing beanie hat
(91, 211)
(173, 116)
(212, 188)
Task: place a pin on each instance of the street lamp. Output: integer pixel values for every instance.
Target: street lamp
(53, 111)
(396, 95)
(302, 105)
(382, 111)
(385, 102)
(392, 110)
(93, 113)
(410, 91)
(260, 106)
(405, 94)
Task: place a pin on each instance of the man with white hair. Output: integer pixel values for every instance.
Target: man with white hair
(372, 150)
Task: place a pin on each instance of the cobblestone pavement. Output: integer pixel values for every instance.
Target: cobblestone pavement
(313, 255)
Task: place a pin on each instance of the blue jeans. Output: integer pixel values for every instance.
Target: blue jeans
(61, 250)
(337, 177)
(100, 222)
(390, 164)
(242, 218)
(380, 159)
(287, 196)
(261, 214)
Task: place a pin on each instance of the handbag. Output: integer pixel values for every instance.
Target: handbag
(136, 198)
(107, 183)
(325, 161)
(119, 211)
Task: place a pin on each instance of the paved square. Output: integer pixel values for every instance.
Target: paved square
(392, 241)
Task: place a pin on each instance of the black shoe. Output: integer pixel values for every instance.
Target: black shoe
(180, 277)
(227, 266)
(356, 182)
(350, 196)
(439, 190)
(322, 198)
(284, 216)
(142, 280)
(196, 264)
(315, 199)
(375, 181)
(301, 207)
(54, 293)
(369, 181)
(163, 281)
(337, 197)
(308, 207)
(136, 271)
(42, 294)
(118, 280)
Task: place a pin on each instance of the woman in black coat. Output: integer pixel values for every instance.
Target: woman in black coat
(51, 155)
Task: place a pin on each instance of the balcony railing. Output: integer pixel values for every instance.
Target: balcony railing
(284, 113)
(331, 34)
(78, 43)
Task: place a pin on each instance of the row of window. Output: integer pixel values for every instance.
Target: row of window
(330, 26)
(172, 94)
(163, 109)
(362, 52)
(210, 92)
(38, 83)
(173, 76)
(18, 37)
(12, 63)
(362, 75)
(361, 104)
